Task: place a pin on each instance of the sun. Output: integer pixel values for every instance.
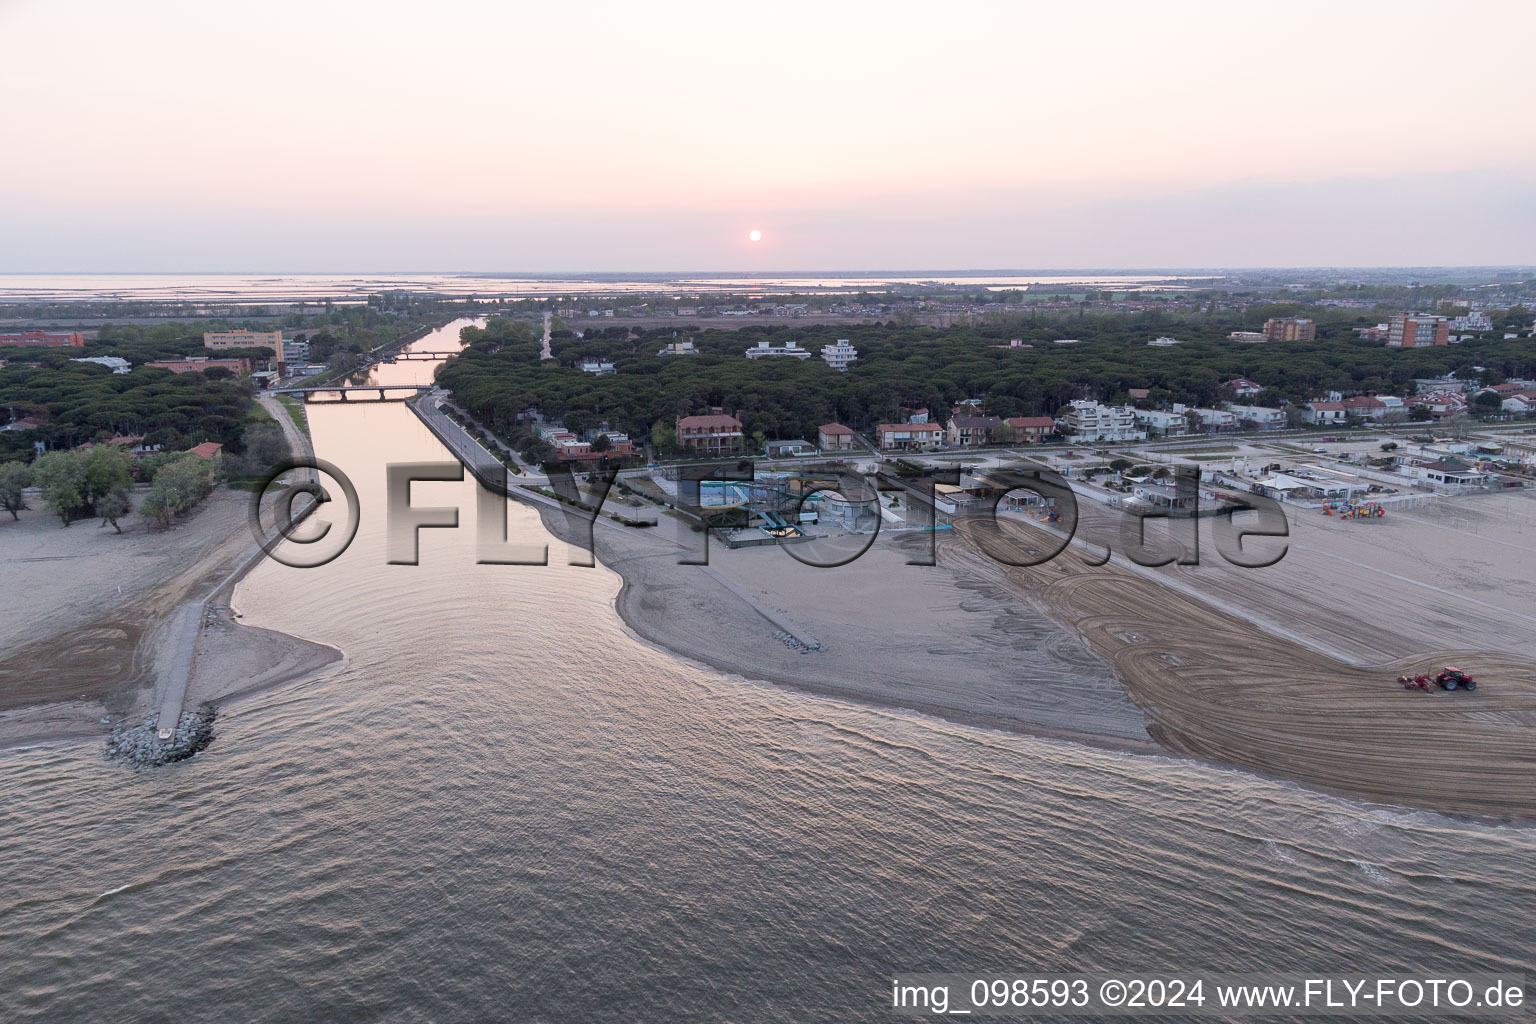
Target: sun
(755, 235)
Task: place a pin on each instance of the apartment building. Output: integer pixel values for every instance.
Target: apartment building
(1290, 328)
(1162, 423)
(1090, 421)
(840, 356)
(768, 350)
(1216, 419)
(202, 364)
(42, 339)
(1418, 330)
(244, 339)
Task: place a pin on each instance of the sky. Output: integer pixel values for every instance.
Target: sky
(323, 136)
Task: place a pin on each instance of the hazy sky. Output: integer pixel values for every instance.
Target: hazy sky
(313, 135)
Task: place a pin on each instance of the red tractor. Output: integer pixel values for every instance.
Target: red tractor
(1452, 678)
(1449, 678)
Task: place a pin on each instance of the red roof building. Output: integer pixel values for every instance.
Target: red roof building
(1031, 429)
(834, 437)
(714, 434)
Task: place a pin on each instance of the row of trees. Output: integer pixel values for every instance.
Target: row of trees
(83, 482)
(83, 402)
(500, 376)
(97, 482)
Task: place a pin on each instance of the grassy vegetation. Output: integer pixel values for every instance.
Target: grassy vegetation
(296, 413)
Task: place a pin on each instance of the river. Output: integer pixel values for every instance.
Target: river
(503, 805)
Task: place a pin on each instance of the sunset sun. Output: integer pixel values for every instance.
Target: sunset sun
(755, 235)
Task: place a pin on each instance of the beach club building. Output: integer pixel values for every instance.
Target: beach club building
(712, 434)
(909, 436)
(834, 437)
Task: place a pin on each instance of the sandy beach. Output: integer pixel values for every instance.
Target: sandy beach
(92, 612)
(1288, 671)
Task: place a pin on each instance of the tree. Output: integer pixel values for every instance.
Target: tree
(600, 443)
(177, 487)
(15, 477)
(265, 447)
(114, 505)
(663, 437)
(1120, 465)
(107, 467)
(61, 475)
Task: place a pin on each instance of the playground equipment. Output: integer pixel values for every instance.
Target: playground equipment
(1354, 509)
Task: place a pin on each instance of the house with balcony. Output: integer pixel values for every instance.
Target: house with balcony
(1084, 420)
(1163, 422)
(1258, 417)
(970, 431)
(711, 434)
(1324, 414)
(840, 356)
(1031, 429)
(1216, 419)
(909, 436)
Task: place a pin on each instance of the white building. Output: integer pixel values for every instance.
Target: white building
(1474, 321)
(1260, 417)
(117, 364)
(1163, 342)
(1324, 413)
(840, 356)
(1164, 423)
(1216, 419)
(767, 350)
(678, 348)
(1248, 337)
(601, 367)
(1090, 421)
